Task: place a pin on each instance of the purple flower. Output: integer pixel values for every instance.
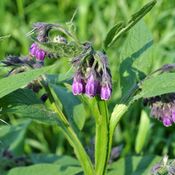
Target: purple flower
(77, 86)
(105, 93)
(167, 121)
(33, 49)
(91, 85)
(173, 115)
(163, 108)
(40, 55)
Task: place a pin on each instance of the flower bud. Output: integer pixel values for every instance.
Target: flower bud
(167, 121)
(40, 55)
(77, 86)
(91, 85)
(33, 49)
(105, 93)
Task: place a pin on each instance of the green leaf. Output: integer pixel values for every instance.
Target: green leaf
(112, 32)
(36, 112)
(46, 169)
(158, 85)
(133, 165)
(52, 158)
(72, 106)
(120, 30)
(12, 137)
(12, 83)
(25, 104)
(4, 37)
(59, 78)
(19, 97)
(135, 56)
(142, 133)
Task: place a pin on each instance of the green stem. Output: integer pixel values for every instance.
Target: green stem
(71, 136)
(102, 138)
(116, 115)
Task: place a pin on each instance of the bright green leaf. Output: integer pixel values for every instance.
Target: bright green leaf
(158, 85)
(120, 30)
(12, 83)
(46, 169)
(112, 32)
(142, 133)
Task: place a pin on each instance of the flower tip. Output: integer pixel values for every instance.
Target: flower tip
(77, 87)
(33, 49)
(40, 55)
(105, 93)
(91, 86)
(167, 122)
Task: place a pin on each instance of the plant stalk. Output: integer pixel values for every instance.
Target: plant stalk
(102, 137)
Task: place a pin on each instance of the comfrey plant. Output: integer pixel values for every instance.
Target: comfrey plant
(91, 84)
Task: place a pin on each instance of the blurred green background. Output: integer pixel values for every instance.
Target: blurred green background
(92, 20)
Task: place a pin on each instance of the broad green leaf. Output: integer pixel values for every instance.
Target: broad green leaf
(46, 169)
(12, 137)
(142, 133)
(12, 83)
(133, 165)
(158, 85)
(72, 106)
(135, 56)
(120, 29)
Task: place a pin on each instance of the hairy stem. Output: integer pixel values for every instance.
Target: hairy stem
(102, 137)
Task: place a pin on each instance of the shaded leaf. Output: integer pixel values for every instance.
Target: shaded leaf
(12, 137)
(134, 53)
(133, 165)
(72, 106)
(52, 158)
(25, 104)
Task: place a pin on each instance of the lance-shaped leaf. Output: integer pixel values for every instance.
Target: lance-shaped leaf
(119, 29)
(12, 83)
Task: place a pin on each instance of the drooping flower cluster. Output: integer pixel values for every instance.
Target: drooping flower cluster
(163, 108)
(92, 75)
